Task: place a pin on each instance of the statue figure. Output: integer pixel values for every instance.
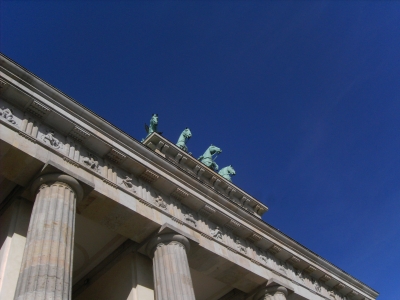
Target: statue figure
(49, 137)
(242, 248)
(189, 218)
(183, 138)
(217, 233)
(263, 256)
(153, 126)
(91, 162)
(127, 182)
(317, 286)
(207, 157)
(7, 114)
(332, 295)
(160, 202)
(227, 172)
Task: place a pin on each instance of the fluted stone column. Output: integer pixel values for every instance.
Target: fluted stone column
(275, 292)
(46, 270)
(171, 272)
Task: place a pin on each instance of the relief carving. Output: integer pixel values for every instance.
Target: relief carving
(91, 163)
(188, 216)
(332, 295)
(263, 258)
(49, 138)
(7, 114)
(290, 269)
(190, 219)
(159, 202)
(282, 267)
(127, 183)
(240, 246)
(316, 284)
(299, 274)
(216, 233)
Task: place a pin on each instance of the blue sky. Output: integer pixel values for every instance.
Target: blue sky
(302, 97)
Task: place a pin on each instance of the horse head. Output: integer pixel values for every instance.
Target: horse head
(214, 149)
(154, 119)
(187, 133)
(227, 172)
(230, 170)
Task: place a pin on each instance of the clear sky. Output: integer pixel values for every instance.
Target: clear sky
(303, 97)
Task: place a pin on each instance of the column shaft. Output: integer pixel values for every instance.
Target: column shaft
(172, 279)
(46, 270)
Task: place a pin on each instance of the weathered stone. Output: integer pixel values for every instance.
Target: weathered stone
(172, 279)
(46, 271)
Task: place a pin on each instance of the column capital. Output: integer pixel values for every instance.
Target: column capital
(60, 177)
(271, 291)
(166, 238)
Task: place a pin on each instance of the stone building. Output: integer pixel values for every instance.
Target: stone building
(87, 212)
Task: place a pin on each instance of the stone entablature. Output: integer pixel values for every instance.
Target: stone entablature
(128, 168)
(207, 176)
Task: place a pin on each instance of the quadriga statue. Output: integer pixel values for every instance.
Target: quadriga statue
(208, 159)
(183, 138)
(227, 172)
(153, 126)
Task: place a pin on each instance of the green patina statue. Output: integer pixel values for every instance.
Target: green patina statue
(153, 126)
(183, 138)
(207, 157)
(227, 172)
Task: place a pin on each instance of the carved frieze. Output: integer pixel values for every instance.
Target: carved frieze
(128, 184)
(51, 140)
(217, 233)
(333, 295)
(316, 284)
(263, 257)
(159, 202)
(91, 162)
(7, 114)
(190, 219)
(240, 245)
(188, 216)
(299, 274)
